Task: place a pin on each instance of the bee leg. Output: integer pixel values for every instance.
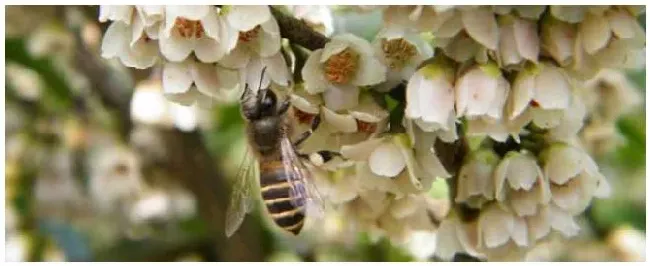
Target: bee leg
(246, 93)
(305, 135)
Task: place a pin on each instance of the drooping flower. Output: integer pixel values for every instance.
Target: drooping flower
(191, 82)
(130, 42)
(574, 177)
(476, 184)
(197, 29)
(401, 50)
(338, 70)
(528, 12)
(501, 233)
(481, 92)
(430, 97)
(518, 40)
(455, 237)
(520, 185)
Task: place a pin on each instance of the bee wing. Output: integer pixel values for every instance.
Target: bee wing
(241, 200)
(303, 191)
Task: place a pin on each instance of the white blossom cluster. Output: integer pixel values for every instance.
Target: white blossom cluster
(511, 81)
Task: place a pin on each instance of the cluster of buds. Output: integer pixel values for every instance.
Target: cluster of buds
(506, 80)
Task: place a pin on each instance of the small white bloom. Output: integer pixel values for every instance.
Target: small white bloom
(574, 177)
(130, 43)
(454, 237)
(198, 29)
(545, 90)
(318, 17)
(190, 82)
(481, 24)
(482, 92)
(430, 97)
(558, 40)
(475, 178)
(337, 70)
(518, 40)
(497, 227)
(520, 184)
(252, 32)
(401, 50)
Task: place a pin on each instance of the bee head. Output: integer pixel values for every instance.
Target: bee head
(260, 105)
(266, 102)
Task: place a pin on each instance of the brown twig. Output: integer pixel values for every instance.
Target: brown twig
(298, 32)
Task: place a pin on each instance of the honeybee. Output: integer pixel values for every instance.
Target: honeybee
(285, 183)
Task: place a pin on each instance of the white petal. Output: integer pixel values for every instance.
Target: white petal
(206, 79)
(520, 232)
(462, 48)
(539, 225)
(386, 160)
(237, 58)
(403, 207)
(552, 90)
(115, 42)
(306, 102)
(333, 47)
(495, 226)
(447, 242)
(341, 97)
(362, 150)
(253, 74)
(176, 48)
(563, 163)
(143, 54)
(595, 33)
(525, 33)
(121, 13)
(312, 73)
(211, 24)
(451, 27)
(522, 172)
(277, 68)
(176, 77)
(208, 50)
(368, 110)
(187, 98)
(343, 123)
(563, 222)
(481, 24)
(622, 24)
(558, 39)
(191, 12)
(530, 12)
(522, 93)
(571, 14)
(524, 203)
(474, 93)
(245, 18)
(508, 51)
(546, 118)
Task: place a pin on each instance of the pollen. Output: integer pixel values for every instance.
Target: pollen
(397, 52)
(188, 28)
(303, 117)
(341, 67)
(247, 36)
(366, 127)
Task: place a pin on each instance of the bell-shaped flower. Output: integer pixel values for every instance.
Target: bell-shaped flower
(401, 50)
(190, 82)
(558, 40)
(454, 237)
(337, 70)
(480, 23)
(198, 29)
(430, 97)
(545, 89)
(130, 43)
(574, 177)
(481, 92)
(475, 178)
(253, 32)
(520, 185)
(501, 234)
(123, 13)
(518, 40)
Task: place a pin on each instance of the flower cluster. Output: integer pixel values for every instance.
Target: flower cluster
(510, 82)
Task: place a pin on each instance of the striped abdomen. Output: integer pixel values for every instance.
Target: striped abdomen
(285, 208)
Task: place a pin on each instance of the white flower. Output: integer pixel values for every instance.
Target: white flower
(337, 70)
(130, 43)
(558, 40)
(454, 237)
(198, 29)
(545, 90)
(252, 32)
(520, 184)
(574, 177)
(190, 82)
(500, 228)
(318, 17)
(551, 217)
(481, 92)
(481, 24)
(430, 97)
(401, 50)
(498, 130)
(276, 71)
(476, 185)
(422, 142)
(518, 40)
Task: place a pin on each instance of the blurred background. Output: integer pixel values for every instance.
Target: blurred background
(99, 166)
